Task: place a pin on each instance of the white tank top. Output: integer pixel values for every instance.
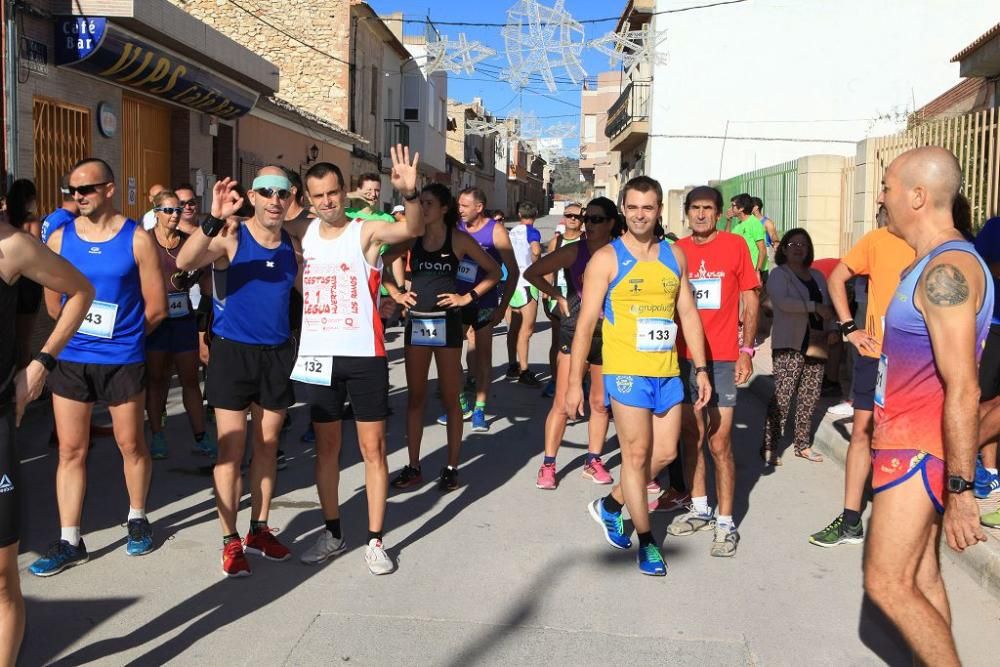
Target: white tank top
(339, 296)
(521, 237)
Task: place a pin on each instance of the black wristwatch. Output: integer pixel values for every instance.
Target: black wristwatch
(958, 484)
(414, 197)
(848, 327)
(474, 294)
(211, 226)
(46, 360)
(701, 369)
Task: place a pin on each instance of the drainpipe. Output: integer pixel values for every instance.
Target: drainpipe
(10, 93)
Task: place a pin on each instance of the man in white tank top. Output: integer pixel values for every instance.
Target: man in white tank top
(342, 349)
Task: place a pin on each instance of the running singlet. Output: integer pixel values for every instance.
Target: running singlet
(469, 273)
(909, 393)
(639, 330)
(432, 273)
(55, 220)
(574, 287)
(8, 351)
(340, 296)
(521, 238)
(113, 331)
(178, 283)
(561, 241)
(250, 297)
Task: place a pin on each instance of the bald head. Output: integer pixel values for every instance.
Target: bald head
(931, 169)
(271, 171)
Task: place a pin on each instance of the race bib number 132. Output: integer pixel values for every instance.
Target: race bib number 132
(313, 370)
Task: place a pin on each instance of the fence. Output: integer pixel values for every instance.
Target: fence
(777, 185)
(847, 208)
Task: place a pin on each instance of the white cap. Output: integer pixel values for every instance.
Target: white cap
(398, 208)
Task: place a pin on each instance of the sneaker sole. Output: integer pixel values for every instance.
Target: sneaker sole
(139, 553)
(597, 517)
(237, 575)
(258, 552)
(595, 480)
(404, 487)
(480, 429)
(546, 488)
(707, 526)
(843, 540)
(324, 558)
(66, 566)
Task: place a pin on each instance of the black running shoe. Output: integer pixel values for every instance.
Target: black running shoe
(513, 371)
(529, 379)
(407, 477)
(448, 480)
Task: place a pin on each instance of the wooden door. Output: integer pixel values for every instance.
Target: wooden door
(145, 153)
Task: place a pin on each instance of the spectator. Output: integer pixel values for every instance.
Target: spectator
(749, 227)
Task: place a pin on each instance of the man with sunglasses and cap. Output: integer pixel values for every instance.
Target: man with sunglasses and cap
(254, 270)
(105, 360)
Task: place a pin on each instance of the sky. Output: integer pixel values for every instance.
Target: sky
(805, 69)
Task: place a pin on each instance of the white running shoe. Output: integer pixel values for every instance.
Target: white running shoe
(327, 546)
(377, 559)
(842, 409)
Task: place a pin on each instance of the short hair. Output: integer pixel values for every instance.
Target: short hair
(162, 195)
(186, 186)
(324, 169)
(780, 256)
(758, 202)
(743, 202)
(477, 194)
(961, 214)
(571, 204)
(106, 172)
(701, 193)
(296, 182)
(500, 213)
(22, 192)
(368, 176)
(527, 210)
(643, 184)
(64, 188)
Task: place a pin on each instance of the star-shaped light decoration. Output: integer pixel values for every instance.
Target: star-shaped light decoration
(485, 127)
(446, 55)
(629, 47)
(538, 39)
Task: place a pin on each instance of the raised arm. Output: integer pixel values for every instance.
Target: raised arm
(404, 179)
(215, 238)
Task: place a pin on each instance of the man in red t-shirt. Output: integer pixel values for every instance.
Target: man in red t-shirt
(721, 275)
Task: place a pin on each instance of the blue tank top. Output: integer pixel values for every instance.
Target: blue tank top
(251, 296)
(114, 330)
(484, 237)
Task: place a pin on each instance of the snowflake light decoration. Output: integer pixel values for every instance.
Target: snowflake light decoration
(484, 128)
(539, 39)
(629, 47)
(446, 55)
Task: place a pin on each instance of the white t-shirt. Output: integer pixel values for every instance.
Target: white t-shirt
(521, 238)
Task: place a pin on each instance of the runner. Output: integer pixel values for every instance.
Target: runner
(881, 257)
(149, 217)
(342, 352)
(434, 326)
(750, 228)
(642, 284)
(22, 257)
(527, 243)
(572, 224)
(175, 341)
(67, 212)
(105, 360)
(22, 202)
(254, 267)
(569, 263)
(987, 481)
(723, 279)
(771, 237)
(926, 417)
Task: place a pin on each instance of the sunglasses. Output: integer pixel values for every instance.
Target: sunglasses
(169, 210)
(797, 244)
(595, 219)
(267, 193)
(188, 202)
(573, 216)
(84, 190)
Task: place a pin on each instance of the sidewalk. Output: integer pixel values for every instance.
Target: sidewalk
(831, 439)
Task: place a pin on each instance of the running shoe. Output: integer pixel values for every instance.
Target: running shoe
(158, 446)
(448, 481)
(140, 537)
(377, 559)
(671, 501)
(206, 446)
(309, 436)
(650, 561)
(234, 561)
(614, 527)
(653, 488)
(264, 543)
(528, 379)
(838, 533)
(842, 409)
(986, 483)
(990, 520)
(282, 461)
(550, 389)
(407, 477)
(596, 472)
(725, 541)
(326, 547)
(479, 424)
(691, 522)
(547, 477)
(59, 556)
(513, 372)
(466, 411)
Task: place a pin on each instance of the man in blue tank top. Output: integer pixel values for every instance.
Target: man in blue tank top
(105, 361)
(254, 269)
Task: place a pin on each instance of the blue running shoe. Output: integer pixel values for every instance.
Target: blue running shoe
(206, 446)
(479, 424)
(550, 389)
(59, 556)
(651, 561)
(614, 529)
(140, 537)
(158, 446)
(466, 411)
(986, 482)
(309, 437)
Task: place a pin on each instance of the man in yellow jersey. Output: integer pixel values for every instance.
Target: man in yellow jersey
(645, 283)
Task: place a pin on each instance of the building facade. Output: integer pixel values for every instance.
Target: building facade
(599, 165)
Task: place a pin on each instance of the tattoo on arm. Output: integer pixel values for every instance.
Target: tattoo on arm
(946, 286)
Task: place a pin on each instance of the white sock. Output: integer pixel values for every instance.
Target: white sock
(725, 521)
(992, 471)
(71, 535)
(133, 513)
(700, 504)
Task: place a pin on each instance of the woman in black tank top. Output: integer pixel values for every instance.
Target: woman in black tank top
(434, 324)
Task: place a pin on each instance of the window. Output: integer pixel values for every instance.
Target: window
(590, 129)
(411, 97)
(62, 137)
(374, 92)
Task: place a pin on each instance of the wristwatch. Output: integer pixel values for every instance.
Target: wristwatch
(46, 360)
(848, 327)
(701, 369)
(211, 226)
(474, 294)
(958, 484)
(412, 197)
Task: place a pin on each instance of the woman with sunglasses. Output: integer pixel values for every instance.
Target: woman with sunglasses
(572, 231)
(803, 325)
(434, 325)
(571, 260)
(176, 338)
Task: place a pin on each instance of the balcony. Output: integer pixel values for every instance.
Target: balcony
(396, 132)
(628, 118)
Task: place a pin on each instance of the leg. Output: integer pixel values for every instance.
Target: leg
(126, 419)
(157, 384)
(807, 396)
(470, 353)
(635, 436)
(73, 428)
(597, 426)
(187, 372)
(859, 459)
(418, 363)
(371, 438)
(449, 369)
(553, 346)
(555, 421)
(529, 314)
(232, 425)
(328, 440)
(11, 606)
(787, 369)
(513, 335)
(692, 437)
(264, 464)
(720, 444)
(484, 363)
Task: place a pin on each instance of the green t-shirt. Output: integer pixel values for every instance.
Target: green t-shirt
(752, 231)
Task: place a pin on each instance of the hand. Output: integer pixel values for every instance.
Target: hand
(704, 391)
(825, 311)
(203, 352)
(961, 521)
(405, 299)
(226, 201)
(863, 342)
(404, 172)
(574, 400)
(27, 387)
(454, 300)
(563, 305)
(744, 368)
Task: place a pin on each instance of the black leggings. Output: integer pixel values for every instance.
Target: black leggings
(10, 510)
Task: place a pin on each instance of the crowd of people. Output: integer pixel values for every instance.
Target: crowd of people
(283, 292)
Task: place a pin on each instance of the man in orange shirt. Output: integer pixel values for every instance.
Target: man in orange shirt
(881, 257)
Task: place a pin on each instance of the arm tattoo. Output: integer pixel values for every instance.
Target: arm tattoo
(946, 286)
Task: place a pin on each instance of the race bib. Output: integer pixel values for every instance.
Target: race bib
(427, 329)
(467, 271)
(100, 320)
(708, 293)
(177, 305)
(313, 370)
(655, 334)
(883, 367)
(561, 281)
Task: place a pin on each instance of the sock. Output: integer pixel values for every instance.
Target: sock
(992, 471)
(374, 535)
(726, 521)
(480, 405)
(591, 457)
(612, 505)
(452, 468)
(71, 535)
(645, 539)
(700, 504)
(231, 537)
(198, 437)
(548, 460)
(851, 517)
(333, 525)
(133, 513)
(463, 402)
(257, 526)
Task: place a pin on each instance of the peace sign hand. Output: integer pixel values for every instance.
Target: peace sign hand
(404, 172)
(226, 200)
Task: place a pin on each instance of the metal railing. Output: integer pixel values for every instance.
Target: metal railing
(396, 132)
(631, 106)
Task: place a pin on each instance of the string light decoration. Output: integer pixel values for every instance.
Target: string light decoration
(456, 56)
(629, 47)
(540, 39)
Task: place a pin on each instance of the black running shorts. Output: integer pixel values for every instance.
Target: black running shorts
(365, 380)
(240, 374)
(429, 331)
(91, 383)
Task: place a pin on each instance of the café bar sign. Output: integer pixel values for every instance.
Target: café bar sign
(102, 49)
